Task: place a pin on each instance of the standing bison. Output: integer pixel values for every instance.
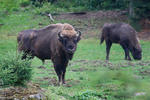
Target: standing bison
(57, 42)
(124, 35)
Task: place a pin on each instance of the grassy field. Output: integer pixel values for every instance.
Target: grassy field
(88, 76)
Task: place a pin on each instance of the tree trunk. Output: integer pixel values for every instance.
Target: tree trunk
(131, 9)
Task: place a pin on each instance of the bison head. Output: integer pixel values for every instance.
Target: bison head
(69, 42)
(136, 49)
(136, 53)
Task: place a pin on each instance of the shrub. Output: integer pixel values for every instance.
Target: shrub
(14, 71)
(25, 3)
(8, 5)
(90, 95)
(117, 84)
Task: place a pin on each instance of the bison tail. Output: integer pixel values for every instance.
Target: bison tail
(18, 38)
(102, 39)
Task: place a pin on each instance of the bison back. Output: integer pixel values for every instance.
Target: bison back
(25, 39)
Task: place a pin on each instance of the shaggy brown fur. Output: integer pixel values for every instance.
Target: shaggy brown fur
(57, 42)
(124, 35)
(68, 30)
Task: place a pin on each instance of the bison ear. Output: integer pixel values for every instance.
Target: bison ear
(78, 36)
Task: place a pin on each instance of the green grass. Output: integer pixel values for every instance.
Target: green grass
(88, 76)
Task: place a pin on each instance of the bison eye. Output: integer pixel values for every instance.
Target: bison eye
(75, 40)
(65, 41)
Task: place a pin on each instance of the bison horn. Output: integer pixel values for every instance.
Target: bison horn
(78, 34)
(60, 35)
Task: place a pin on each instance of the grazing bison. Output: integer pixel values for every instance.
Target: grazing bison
(124, 35)
(57, 42)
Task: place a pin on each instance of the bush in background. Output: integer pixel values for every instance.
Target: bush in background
(13, 70)
(8, 5)
(24, 3)
(141, 9)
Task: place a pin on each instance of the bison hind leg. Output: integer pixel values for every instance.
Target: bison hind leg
(108, 46)
(43, 61)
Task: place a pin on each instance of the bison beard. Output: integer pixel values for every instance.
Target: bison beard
(57, 42)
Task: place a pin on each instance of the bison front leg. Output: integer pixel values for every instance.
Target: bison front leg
(63, 76)
(127, 55)
(126, 50)
(64, 71)
(59, 73)
(60, 68)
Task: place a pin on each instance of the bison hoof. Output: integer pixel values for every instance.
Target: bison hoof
(64, 83)
(61, 83)
(129, 59)
(106, 61)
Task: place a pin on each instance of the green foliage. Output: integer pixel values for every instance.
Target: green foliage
(90, 95)
(109, 84)
(142, 9)
(139, 10)
(114, 4)
(24, 3)
(14, 70)
(39, 3)
(47, 8)
(93, 4)
(8, 5)
(112, 85)
(87, 4)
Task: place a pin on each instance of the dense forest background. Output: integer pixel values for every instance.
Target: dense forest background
(137, 9)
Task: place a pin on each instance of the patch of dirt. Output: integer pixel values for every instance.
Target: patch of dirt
(31, 92)
(144, 34)
(90, 23)
(71, 82)
(41, 67)
(53, 81)
(145, 72)
(145, 23)
(100, 63)
(80, 69)
(96, 15)
(94, 63)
